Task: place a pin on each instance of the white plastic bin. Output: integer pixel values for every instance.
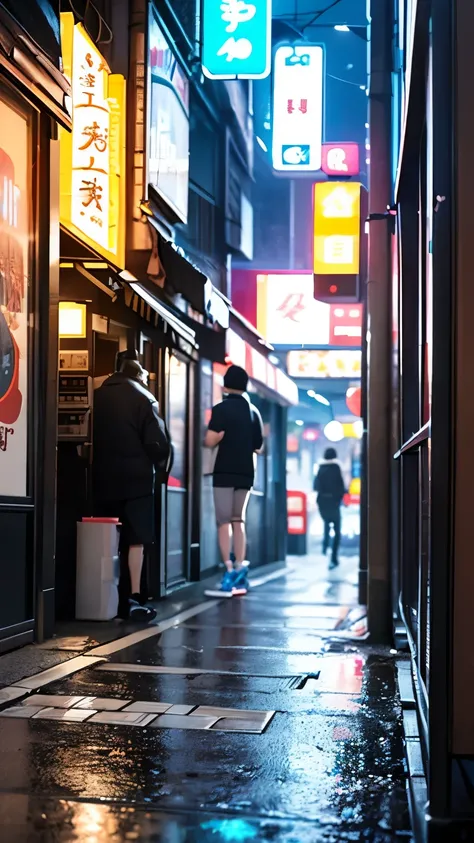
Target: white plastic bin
(97, 569)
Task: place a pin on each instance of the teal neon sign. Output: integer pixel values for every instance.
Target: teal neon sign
(236, 38)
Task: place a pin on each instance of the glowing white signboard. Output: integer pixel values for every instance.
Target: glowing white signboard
(298, 108)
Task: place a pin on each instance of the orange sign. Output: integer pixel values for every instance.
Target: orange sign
(336, 228)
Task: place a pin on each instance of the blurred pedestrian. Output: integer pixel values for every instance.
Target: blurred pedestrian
(132, 454)
(236, 432)
(329, 484)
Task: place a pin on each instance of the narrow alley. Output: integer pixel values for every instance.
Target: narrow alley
(260, 718)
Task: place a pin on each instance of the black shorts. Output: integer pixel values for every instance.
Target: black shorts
(136, 516)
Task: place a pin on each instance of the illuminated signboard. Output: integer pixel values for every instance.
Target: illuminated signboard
(287, 312)
(297, 108)
(93, 155)
(168, 160)
(236, 39)
(346, 325)
(336, 228)
(340, 159)
(324, 364)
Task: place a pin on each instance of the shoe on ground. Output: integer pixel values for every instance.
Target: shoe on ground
(228, 581)
(138, 613)
(333, 564)
(241, 582)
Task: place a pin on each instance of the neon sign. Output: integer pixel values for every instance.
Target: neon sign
(336, 228)
(236, 39)
(298, 108)
(92, 157)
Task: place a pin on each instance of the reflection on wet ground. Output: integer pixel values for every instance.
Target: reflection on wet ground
(329, 767)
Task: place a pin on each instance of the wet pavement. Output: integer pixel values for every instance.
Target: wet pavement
(326, 766)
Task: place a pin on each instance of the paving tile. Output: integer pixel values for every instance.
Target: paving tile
(148, 707)
(53, 700)
(21, 711)
(70, 642)
(122, 718)
(67, 715)
(11, 693)
(180, 709)
(231, 724)
(60, 671)
(176, 721)
(415, 758)
(410, 724)
(211, 711)
(102, 704)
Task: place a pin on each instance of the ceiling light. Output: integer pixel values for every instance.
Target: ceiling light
(322, 400)
(262, 144)
(342, 27)
(299, 422)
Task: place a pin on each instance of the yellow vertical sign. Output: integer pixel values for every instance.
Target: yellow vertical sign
(93, 154)
(336, 228)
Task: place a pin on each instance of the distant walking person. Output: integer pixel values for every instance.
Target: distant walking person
(132, 455)
(236, 430)
(329, 485)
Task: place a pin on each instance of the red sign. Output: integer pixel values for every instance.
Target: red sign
(340, 159)
(345, 325)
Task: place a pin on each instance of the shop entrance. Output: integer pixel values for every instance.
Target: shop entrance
(177, 389)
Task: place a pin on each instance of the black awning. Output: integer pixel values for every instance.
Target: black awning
(142, 301)
(34, 59)
(181, 277)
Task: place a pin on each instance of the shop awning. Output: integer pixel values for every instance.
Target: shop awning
(22, 58)
(143, 297)
(143, 302)
(175, 272)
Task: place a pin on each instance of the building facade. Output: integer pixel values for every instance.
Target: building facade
(144, 171)
(34, 104)
(432, 572)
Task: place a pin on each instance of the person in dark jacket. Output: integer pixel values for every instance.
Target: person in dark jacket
(132, 453)
(329, 484)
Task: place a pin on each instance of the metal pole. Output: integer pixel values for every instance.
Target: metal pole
(379, 326)
(291, 251)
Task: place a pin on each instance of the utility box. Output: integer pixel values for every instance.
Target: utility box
(97, 573)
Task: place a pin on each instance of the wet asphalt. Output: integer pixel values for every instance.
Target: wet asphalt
(328, 768)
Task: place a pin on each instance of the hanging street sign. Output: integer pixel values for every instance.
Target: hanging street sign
(298, 81)
(340, 159)
(236, 39)
(93, 154)
(336, 228)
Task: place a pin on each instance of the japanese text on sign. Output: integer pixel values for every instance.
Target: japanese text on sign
(90, 140)
(336, 228)
(236, 39)
(297, 108)
(91, 156)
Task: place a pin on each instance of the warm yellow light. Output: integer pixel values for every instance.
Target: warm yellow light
(354, 488)
(72, 320)
(336, 228)
(93, 155)
(66, 266)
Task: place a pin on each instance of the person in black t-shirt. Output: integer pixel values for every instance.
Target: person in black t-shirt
(236, 429)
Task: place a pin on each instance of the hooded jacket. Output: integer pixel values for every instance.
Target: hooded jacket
(132, 447)
(329, 483)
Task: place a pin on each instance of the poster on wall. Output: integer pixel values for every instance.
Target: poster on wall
(14, 272)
